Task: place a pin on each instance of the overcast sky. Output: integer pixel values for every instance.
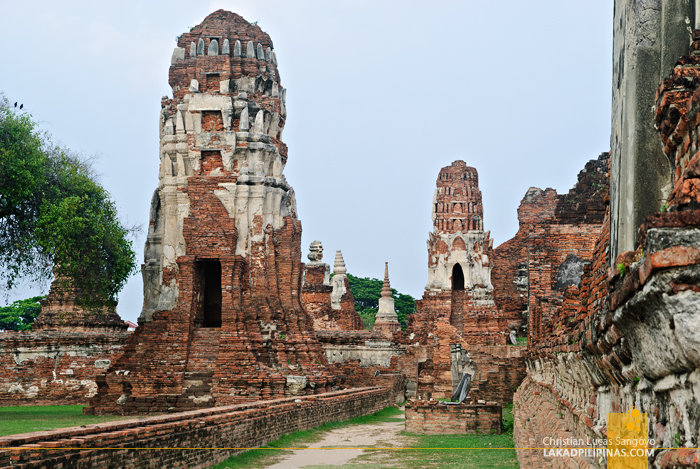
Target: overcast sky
(381, 95)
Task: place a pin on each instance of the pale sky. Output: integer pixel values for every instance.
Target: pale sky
(381, 95)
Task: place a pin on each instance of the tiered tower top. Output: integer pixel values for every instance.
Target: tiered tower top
(457, 204)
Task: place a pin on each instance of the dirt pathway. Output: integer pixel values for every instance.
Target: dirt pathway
(345, 443)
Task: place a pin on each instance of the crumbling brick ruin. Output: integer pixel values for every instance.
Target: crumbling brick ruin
(58, 361)
(457, 326)
(628, 334)
(222, 320)
(459, 289)
(605, 279)
(433, 418)
(55, 367)
(332, 307)
(60, 313)
(555, 243)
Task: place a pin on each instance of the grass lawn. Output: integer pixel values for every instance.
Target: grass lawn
(263, 457)
(25, 419)
(436, 451)
(462, 451)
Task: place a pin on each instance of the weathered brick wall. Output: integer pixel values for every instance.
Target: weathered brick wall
(499, 372)
(55, 367)
(509, 278)
(555, 243)
(316, 299)
(538, 414)
(357, 337)
(627, 337)
(237, 426)
(439, 419)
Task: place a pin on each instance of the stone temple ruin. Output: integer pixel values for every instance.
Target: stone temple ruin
(605, 280)
(457, 326)
(459, 286)
(222, 320)
(330, 304)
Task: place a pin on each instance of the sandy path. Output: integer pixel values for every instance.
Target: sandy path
(348, 439)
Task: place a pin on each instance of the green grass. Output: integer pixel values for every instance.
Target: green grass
(507, 419)
(262, 457)
(448, 451)
(438, 451)
(25, 419)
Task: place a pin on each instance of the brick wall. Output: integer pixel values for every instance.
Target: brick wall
(54, 367)
(557, 241)
(615, 343)
(439, 419)
(499, 372)
(237, 426)
(316, 299)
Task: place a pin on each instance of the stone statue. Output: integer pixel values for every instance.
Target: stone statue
(315, 252)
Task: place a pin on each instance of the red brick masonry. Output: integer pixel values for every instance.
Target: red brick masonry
(440, 419)
(55, 367)
(237, 426)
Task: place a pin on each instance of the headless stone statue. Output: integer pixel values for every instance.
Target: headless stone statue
(462, 390)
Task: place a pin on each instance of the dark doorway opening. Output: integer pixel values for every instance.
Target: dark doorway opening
(210, 272)
(457, 277)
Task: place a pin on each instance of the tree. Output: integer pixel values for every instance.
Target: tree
(55, 219)
(367, 292)
(20, 315)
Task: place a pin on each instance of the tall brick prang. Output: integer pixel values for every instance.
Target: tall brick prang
(459, 288)
(222, 321)
(457, 317)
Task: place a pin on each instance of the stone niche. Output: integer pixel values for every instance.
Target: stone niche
(222, 322)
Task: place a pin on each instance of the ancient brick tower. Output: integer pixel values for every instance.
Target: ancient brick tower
(222, 322)
(60, 313)
(459, 270)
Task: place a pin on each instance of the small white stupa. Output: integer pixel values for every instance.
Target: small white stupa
(386, 320)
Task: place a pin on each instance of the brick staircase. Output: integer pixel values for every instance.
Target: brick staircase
(201, 363)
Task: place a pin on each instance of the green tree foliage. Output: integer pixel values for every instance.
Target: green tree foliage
(367, 292)
(55, 218)
(20, 315)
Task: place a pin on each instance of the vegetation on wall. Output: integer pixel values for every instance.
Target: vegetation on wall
(367, 292)
(55, 219)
